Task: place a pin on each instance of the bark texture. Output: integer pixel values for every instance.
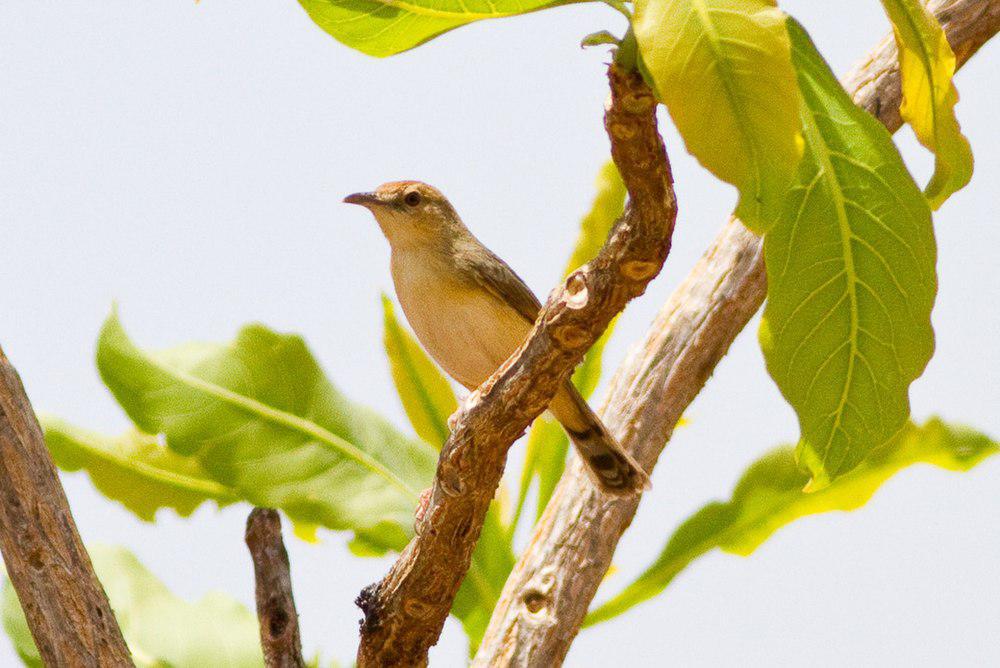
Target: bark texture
(66, 608)
(404, 613)
(548, 593)
(276, 614)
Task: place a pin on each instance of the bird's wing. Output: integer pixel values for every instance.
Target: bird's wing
(498, 278)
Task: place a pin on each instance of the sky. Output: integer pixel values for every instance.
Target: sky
(187, 162)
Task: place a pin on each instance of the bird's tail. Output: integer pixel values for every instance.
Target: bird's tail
(611, 468)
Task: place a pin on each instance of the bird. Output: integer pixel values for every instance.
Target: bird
(470, 312)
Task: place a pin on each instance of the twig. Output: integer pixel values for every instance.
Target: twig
(404, 613)
(279, 622)
(548, 593)
(66, 608)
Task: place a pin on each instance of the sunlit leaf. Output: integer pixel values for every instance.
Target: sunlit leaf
(926, 65)
(134, 469)
(387, 27)
(724, 71)
(426, 395)
(160, 628)
(851, 281)
(770, 495)
(262, 419)
(259, 419)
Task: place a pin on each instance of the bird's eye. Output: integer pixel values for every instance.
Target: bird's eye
(412, 198)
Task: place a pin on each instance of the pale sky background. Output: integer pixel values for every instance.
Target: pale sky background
(188, 161)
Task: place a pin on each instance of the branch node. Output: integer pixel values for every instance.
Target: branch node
(576, 293)
(639, 270)
(367, 600)
(535, 601)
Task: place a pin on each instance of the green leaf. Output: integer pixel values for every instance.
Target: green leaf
(544, 459)
(606, 209)
(770, 495)
(160, 628)
(386, 27)
(723, 69)
(851, 282)
(426, 395)
(134, 469)
(258, 418)
(599, 38)
(262, 419)
(926, 65)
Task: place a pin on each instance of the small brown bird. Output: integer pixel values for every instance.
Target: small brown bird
(470, 311)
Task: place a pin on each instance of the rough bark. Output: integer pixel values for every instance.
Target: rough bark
(404, 613)
(548, 593)
(66, 608)
(276, 614)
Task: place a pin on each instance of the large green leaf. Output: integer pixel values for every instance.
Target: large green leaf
(425, 394)
(160, 628)
(724, 71)
(165, 391)
(851, 282)
(134, 469)
(387, 27)
(770, 495)
(926, 65)
(262, 419)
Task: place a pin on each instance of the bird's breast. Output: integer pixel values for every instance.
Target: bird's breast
(466, 329)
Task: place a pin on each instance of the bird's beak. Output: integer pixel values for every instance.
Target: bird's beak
(367, 200)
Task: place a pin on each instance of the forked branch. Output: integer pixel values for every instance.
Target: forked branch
(405, 612)
(575, 539)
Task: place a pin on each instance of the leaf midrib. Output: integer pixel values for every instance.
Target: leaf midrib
(820, 150)
(322, 436)
(209, 488)
(729, 86)
(925, 61)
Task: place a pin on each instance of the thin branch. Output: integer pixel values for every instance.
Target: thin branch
(279, 622)
(548, 594)
(404, 613)
(66, 608)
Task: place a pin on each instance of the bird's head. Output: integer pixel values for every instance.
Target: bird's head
(410, 213)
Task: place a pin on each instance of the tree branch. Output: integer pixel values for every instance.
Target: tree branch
(404, 613)
(279, 622)
(66, 608)
(574, 541)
